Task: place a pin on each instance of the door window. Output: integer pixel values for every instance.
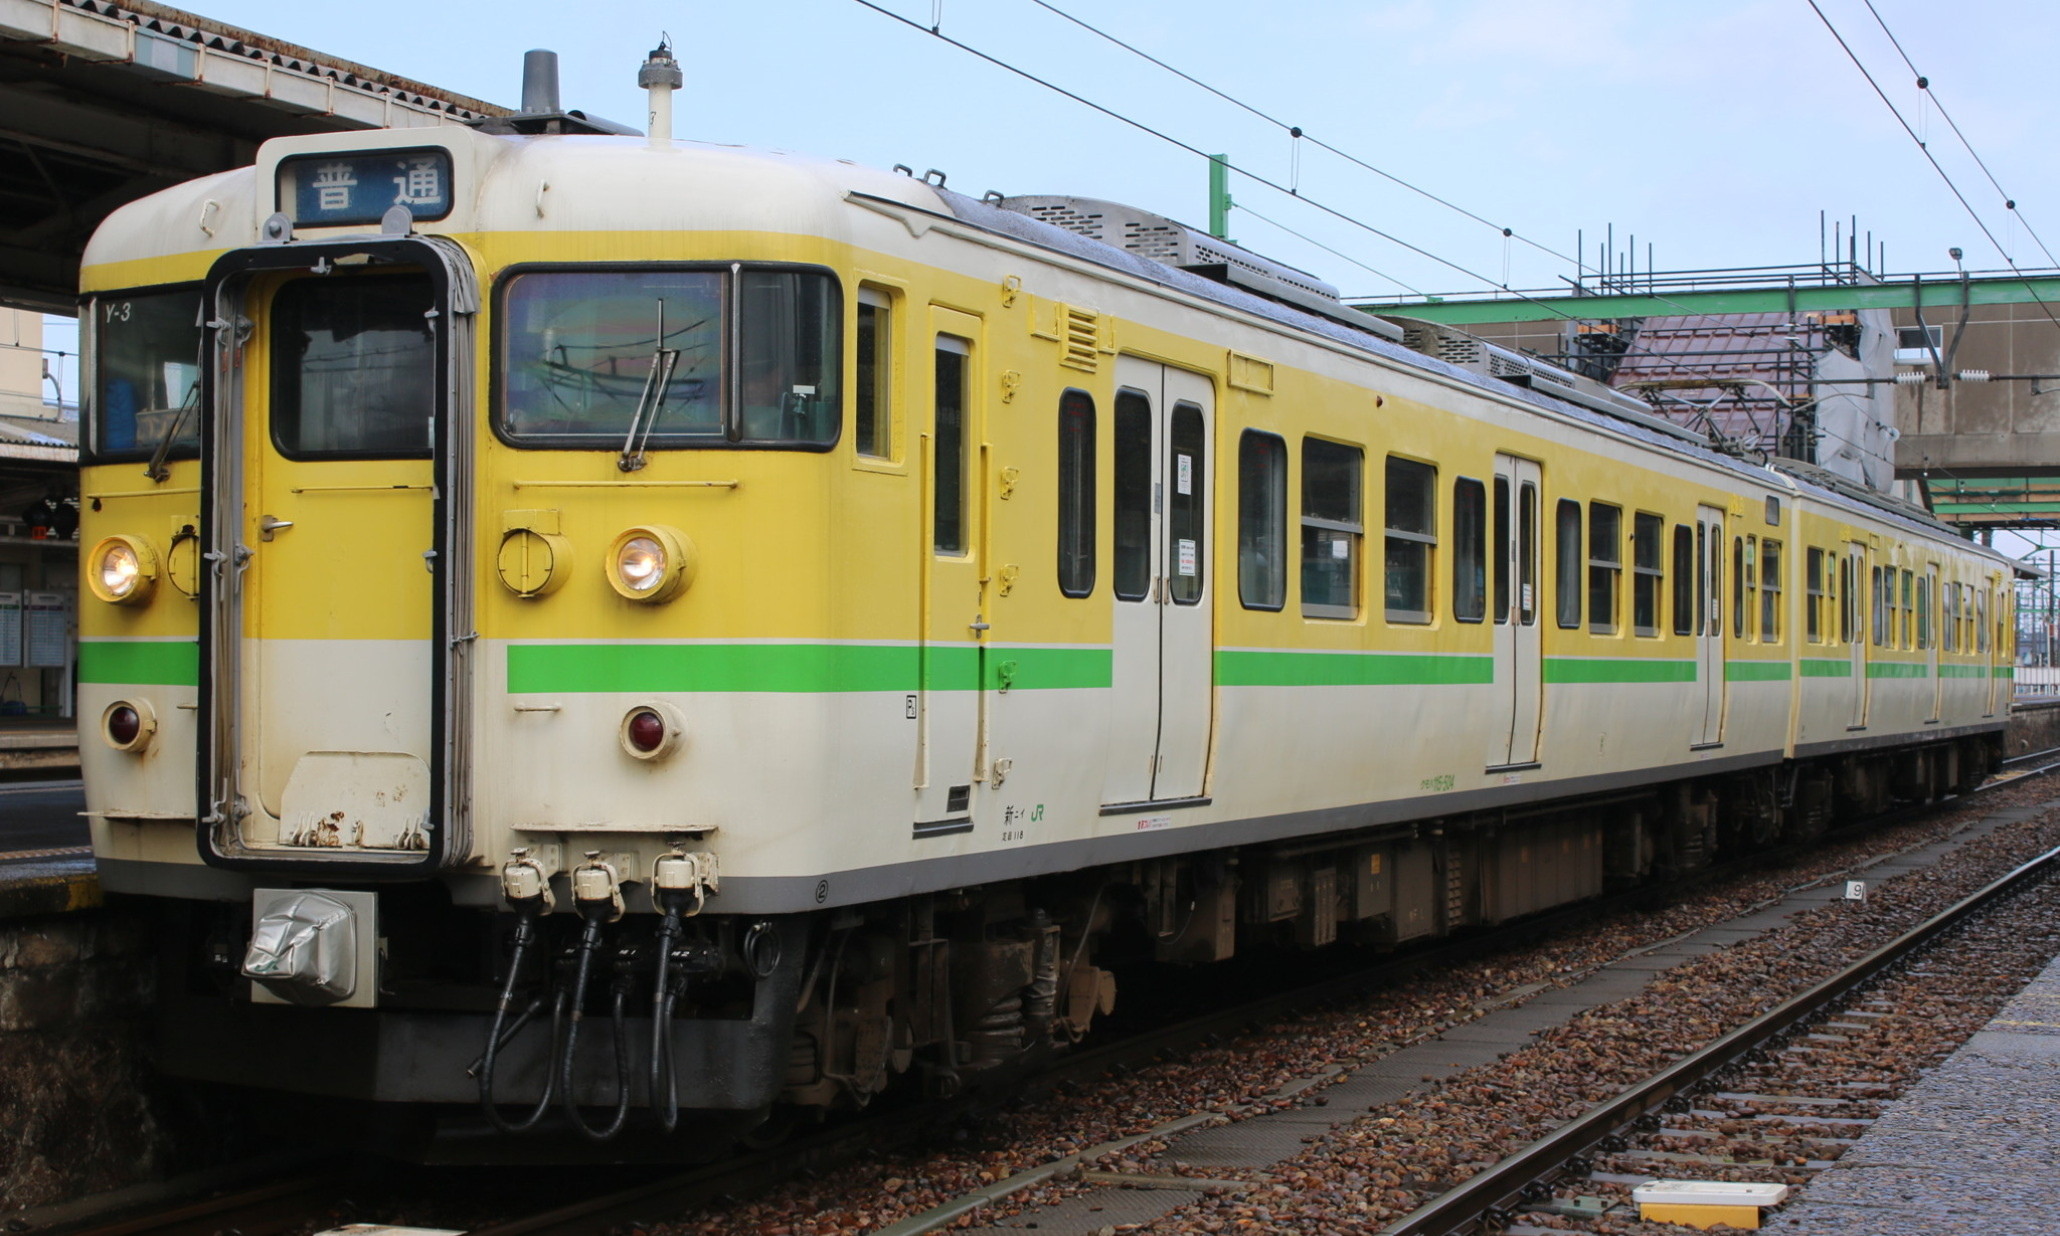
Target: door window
(949, 523)
(1133, 505)
(1186, 529)
(353, 368)
(1076, 493)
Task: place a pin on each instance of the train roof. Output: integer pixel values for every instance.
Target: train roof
(1796, 476)
(692, 184)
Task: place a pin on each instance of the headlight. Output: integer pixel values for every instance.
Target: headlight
(122, 570)
(651, 563)
(641, 563)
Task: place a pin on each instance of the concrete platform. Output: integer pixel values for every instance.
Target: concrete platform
(46, 865)
(38, 747)
(1974, 1147)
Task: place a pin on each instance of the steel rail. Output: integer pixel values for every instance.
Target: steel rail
(1492, 1197)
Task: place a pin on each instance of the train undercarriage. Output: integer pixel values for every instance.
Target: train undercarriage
(706, 1023)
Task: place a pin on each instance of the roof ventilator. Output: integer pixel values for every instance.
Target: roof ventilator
(1160, 239)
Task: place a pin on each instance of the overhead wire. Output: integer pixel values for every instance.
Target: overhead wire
(1924, 84)
(1508, 234)
(1338, 254)
(1301, 134)
(1254, 176)
(1932, 159)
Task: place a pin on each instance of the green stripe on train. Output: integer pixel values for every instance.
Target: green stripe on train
(163, 663)
(795, 668)
(1265, 668)
(1756, 671)
(1617, 669)
(1820, 667)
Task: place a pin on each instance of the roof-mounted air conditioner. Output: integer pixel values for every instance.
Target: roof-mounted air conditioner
(1176, 244)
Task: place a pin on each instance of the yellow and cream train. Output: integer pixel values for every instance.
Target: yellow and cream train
(605, 626)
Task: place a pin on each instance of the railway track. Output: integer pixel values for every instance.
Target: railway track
(825, 1153)
(1494, 1197)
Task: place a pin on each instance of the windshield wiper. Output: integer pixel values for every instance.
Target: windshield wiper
(663, 361)
(156, 470)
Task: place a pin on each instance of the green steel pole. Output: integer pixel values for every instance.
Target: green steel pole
(1219, 196)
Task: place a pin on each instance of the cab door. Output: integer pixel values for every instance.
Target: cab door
(1519, 651)
(336, 689)
(954, 584)
(1162, 674)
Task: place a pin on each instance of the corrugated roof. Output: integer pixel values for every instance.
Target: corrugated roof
(1750, 363)
(51, 441)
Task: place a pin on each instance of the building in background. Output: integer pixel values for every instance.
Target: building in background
(39, 519)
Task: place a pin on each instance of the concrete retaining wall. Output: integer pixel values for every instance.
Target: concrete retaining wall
(80, 1110)
(2033, 727)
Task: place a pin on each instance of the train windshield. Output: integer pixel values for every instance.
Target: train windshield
(676, 357)
(147, 355)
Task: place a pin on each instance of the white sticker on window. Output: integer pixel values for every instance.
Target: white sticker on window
(1185, 467)
(1187, 557)
(1340, 548)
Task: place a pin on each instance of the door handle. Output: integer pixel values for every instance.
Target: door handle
(268, 525)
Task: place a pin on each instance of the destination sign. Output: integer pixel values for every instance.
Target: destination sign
(331, 189)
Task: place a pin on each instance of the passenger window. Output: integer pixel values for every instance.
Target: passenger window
(1770, 592)
(1981, 621)
(1740, 572)
(1076, 493)
(949, 473)
(1909, 612)
(1752, 579)
(1848, 600)
(1951, 622)
(1813, 596)
(1469, 550)
(1186, 529)
(872, 428)
(1923, 614)
(1684, 580)
(1567, 552)
(1605, 565)
(1880, 606)
(1647, 572)
(1412, 538)
(1332, 524)
(1262, 521)
(1133, 505)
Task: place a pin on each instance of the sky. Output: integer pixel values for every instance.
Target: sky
(1715, 133)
